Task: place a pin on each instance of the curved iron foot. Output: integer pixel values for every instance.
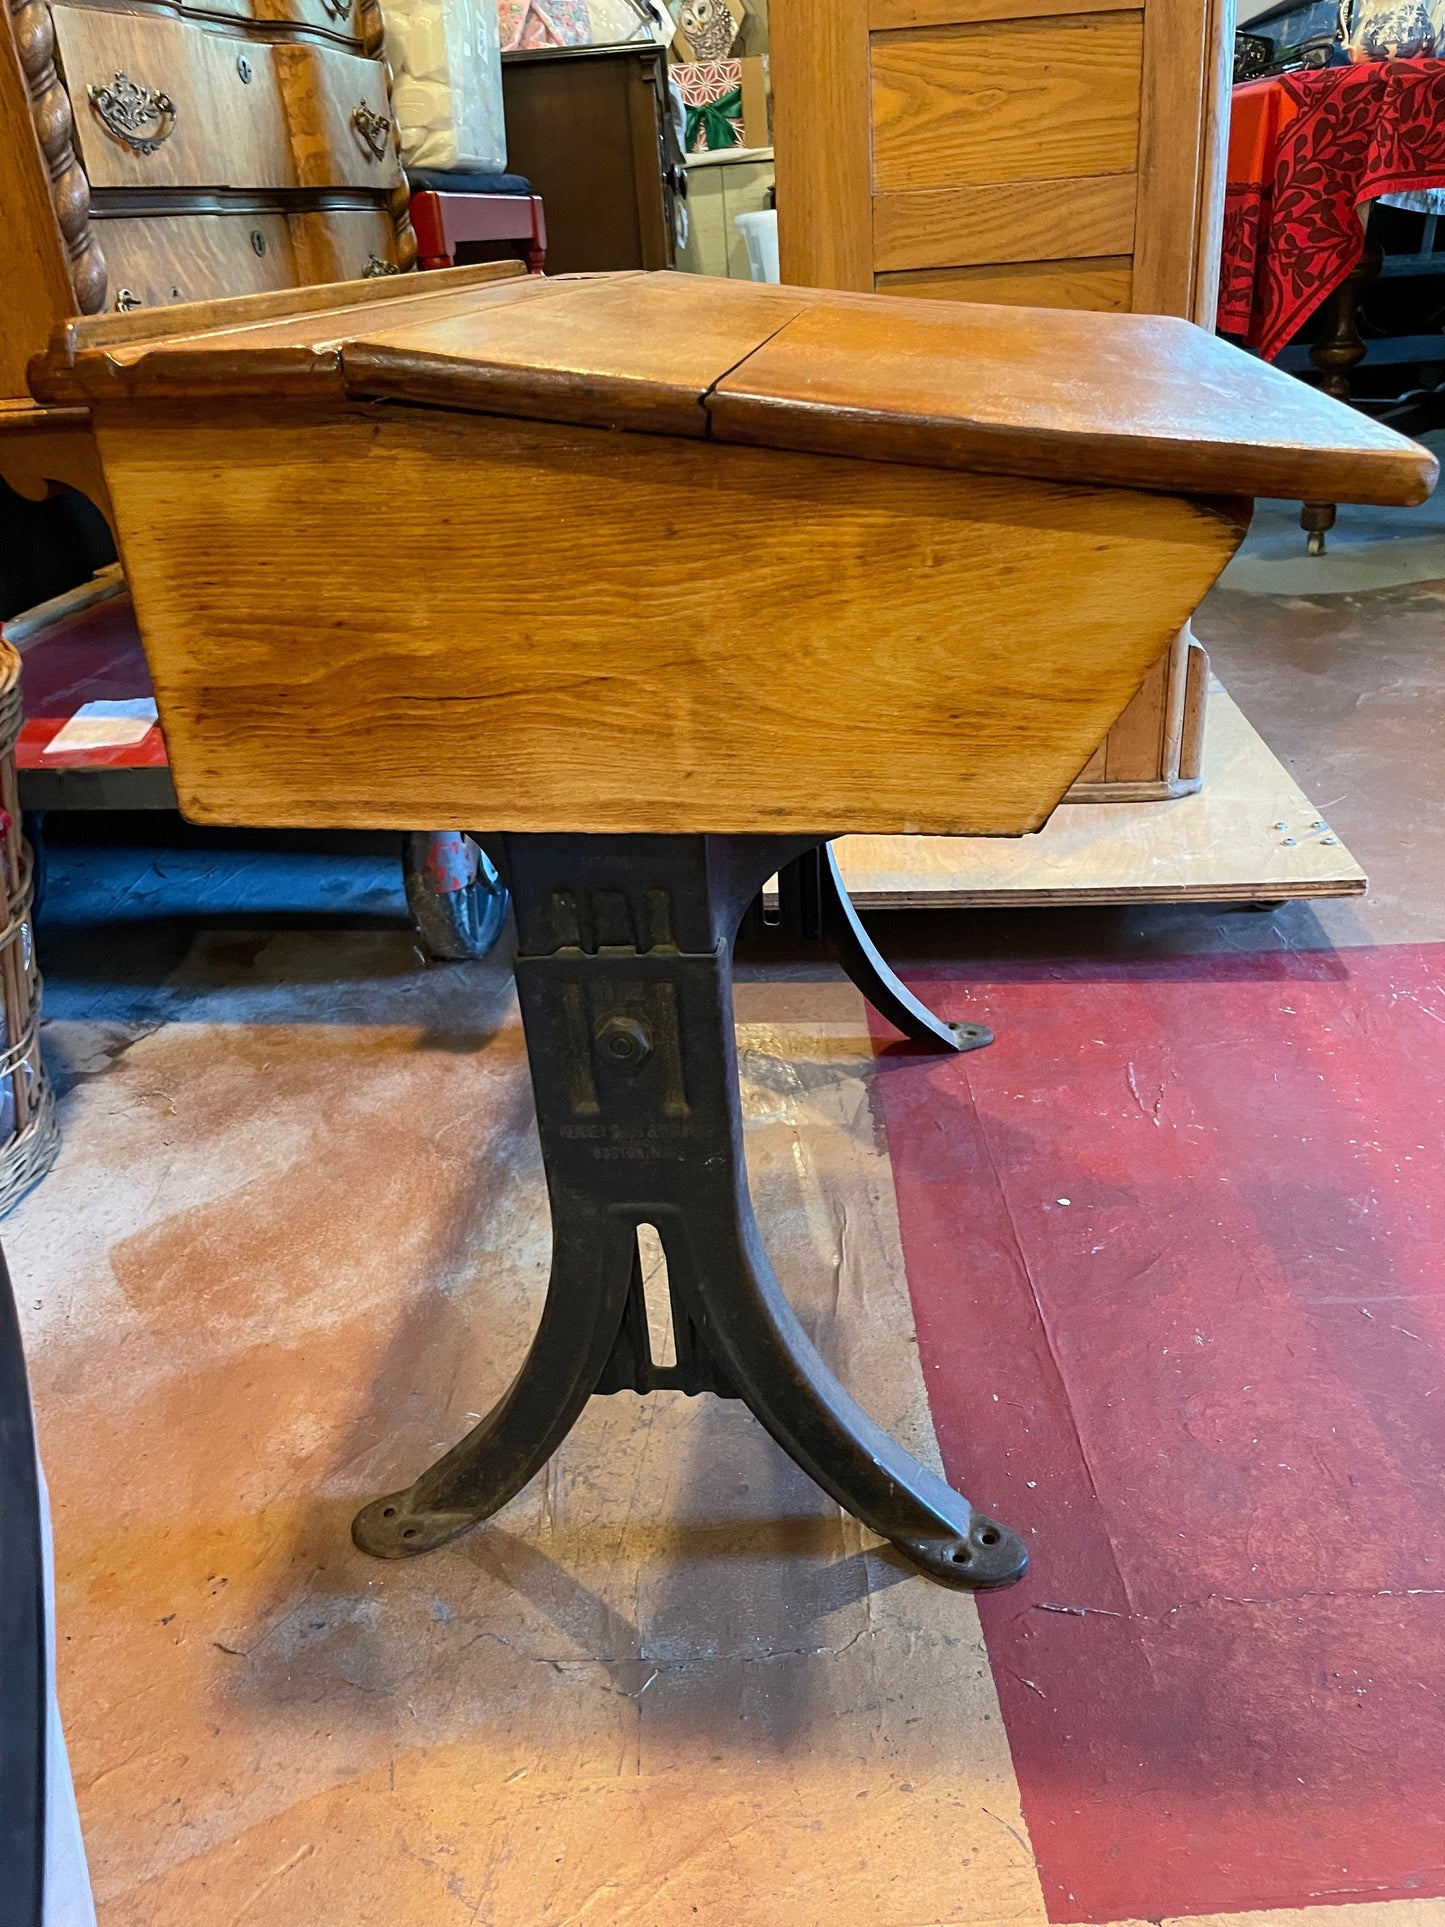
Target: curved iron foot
(733, 1298)
(625, 982)
(586, 1296)
(865, 965)
(814, 905)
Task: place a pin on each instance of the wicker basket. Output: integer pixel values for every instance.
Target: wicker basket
(29, 1133)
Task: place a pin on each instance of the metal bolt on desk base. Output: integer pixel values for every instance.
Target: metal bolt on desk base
(624, 974)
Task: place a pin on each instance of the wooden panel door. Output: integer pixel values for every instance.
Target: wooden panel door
(1062, 153)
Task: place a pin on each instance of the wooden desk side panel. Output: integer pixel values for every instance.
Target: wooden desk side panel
(385, 617)
(43, 446)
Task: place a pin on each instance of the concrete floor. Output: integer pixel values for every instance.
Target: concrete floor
(1335, 660)
(295, 1241)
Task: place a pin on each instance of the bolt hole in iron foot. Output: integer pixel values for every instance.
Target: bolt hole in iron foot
(396, 1529)
(990, 1558)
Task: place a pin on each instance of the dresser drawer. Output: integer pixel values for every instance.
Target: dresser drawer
(338, 115)
(165, 103)
(339, 17)
(154, 261)
(342, 244)
(168, 103)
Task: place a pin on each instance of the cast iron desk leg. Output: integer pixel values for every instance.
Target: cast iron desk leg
(624, 974)
(814, 907)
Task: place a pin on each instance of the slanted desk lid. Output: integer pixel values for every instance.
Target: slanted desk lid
(1147, 401)
(1141, 401)
(618, 350)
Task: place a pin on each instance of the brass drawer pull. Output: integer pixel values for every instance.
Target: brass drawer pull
(137, 116)
(373, 129)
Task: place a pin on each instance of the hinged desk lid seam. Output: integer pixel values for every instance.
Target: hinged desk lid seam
(1137, 401)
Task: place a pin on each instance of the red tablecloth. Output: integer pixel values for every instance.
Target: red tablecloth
(1306, 151)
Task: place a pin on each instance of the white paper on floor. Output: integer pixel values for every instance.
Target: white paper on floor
(105, 725)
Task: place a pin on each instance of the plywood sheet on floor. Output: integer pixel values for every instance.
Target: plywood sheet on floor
(1249, 833)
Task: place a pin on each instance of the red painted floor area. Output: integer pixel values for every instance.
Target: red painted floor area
(1175, 1247)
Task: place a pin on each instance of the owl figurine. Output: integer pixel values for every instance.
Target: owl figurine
(708, 27)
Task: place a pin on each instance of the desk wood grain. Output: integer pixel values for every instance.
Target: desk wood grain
(1143, 400)
(814, 644)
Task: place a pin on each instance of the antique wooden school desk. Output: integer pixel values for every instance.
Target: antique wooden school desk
(660, 582)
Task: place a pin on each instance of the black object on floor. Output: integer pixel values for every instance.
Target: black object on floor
(22, 1635)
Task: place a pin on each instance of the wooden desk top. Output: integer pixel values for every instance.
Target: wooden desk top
(1142, 401)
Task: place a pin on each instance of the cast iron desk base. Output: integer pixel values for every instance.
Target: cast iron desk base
(624, 975)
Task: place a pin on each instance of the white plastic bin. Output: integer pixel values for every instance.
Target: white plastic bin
(760, 231)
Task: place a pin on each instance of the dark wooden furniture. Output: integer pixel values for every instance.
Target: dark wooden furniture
(590, 127)
(910, 562)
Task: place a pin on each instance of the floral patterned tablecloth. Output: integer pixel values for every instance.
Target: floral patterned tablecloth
(1306, 152)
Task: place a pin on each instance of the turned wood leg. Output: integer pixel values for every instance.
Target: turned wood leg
(1339, 350)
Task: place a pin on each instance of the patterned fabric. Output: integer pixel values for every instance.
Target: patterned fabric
(1396, 29)
(544, 23)
(1306, 151)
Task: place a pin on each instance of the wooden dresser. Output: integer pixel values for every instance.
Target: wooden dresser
(590, 129)
(161, 151)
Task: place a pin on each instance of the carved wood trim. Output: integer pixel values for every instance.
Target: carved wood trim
(54, 120)
(373, 43)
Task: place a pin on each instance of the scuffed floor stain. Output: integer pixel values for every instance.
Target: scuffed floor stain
(296, 1243)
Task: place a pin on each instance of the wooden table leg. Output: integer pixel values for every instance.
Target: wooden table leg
(1334, 357)
(624, 974)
